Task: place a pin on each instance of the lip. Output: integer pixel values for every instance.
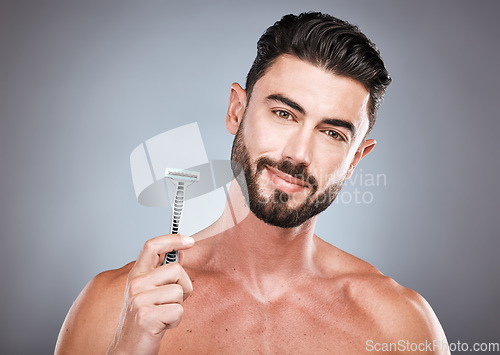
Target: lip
(285, 182)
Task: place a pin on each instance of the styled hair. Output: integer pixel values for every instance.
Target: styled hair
(327, 42)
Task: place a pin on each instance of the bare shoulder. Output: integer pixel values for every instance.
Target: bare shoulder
(399, 312)
(92, 319)
(396, 313)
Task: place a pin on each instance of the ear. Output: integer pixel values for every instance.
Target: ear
(365, 148)
(236, 108)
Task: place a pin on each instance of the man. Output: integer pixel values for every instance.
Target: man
(267, 284)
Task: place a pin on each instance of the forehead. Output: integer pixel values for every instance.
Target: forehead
(321, 93)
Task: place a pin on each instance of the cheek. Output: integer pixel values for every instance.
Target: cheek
(331, 175)
(260, 138)
(333, 169)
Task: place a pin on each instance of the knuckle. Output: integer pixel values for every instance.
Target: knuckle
(142, 317)
(177, 310)
(136, 303)
(173, 324)
(188, 291)
(133, 286)
(178, 292)
(175, 268)
(133, 273)
(149, 245)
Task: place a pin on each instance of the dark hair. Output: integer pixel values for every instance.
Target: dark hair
(328, 42)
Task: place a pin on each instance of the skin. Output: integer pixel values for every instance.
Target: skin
(251, 287)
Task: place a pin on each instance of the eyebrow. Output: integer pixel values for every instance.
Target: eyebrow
(336, 122)
(286, 101)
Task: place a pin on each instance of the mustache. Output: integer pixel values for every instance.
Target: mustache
(298, 171)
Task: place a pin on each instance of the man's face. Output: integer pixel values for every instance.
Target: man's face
(298, 139)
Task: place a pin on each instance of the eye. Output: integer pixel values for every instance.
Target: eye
(283, 114)
(334, 135)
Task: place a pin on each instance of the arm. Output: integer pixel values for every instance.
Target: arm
(129, 310)
(90, 323)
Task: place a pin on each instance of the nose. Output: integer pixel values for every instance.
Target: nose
(299, 147)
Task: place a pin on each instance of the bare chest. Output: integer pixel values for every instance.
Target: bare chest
(226, 320)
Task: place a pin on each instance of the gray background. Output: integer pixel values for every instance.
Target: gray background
(83, 83)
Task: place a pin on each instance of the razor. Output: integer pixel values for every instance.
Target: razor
(181, 179)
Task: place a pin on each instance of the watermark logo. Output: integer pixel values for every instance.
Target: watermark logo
(361, 187)
(432, 346)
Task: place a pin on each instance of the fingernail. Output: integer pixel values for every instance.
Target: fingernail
(188, 240)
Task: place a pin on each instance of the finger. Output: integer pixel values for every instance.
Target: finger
(158, 318)
(171, 314)
(172, 273)
(149, 257)
(172, 293)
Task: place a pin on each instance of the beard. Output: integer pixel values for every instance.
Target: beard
(275, 209)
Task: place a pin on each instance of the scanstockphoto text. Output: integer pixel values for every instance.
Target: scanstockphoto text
(435, 345)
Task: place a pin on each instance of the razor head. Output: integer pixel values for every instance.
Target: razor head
(183, 175)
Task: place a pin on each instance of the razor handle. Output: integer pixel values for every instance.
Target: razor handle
(177, 207)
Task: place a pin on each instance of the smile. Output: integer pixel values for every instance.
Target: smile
(285, 182)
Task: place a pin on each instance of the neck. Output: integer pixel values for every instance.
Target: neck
(265, 256)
